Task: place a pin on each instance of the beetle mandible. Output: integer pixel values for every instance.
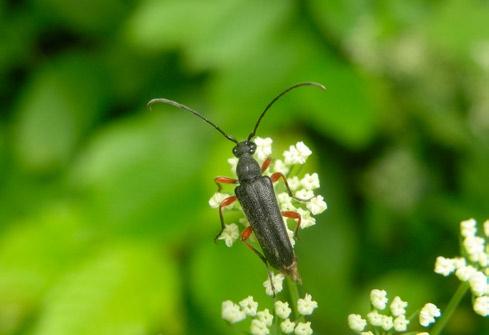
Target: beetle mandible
(256, 195)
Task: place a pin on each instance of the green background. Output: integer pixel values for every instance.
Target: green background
(104, 221)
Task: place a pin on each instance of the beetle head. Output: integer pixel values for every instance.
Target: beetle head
(247, 147)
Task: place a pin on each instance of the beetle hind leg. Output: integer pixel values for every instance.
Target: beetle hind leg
(245, 235)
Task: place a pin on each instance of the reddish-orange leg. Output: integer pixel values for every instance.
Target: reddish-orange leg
(276, 176)
(245, 235)
(295, 216)
(224, 180)
(266, 163)
(226, 202)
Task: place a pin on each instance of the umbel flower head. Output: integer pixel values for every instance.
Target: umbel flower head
(390, 318)
(303, 185)
(262, 320)
(472, 266)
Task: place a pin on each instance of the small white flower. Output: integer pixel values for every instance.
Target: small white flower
(317, 205)
(367, 333)
(291, 234)
(428, 314)
(375, 318)
(356, 322)
(230, 234)
(263, 148)
(258, 327)
(282, 309)
(464, 273)
(474, 245)
(231, 312)
(285, 202)
(423, 333)
(216, 199)
(401, 323)
(297, 154)
(277, 280)
(468, 227)
(486, 228)
(265, 317)
(279, 166)
(306, 219)
(303, 328)
(444, 266)
(310, 181)
(478, 283)
(398, 306)
(378, 298)
(459, 262)
(304, 194)
(249, 306)
(387, 322)
(303, 150)
(306, 306)
(233, 163)
(294, 183)
(481, 305)
(291, 156)
(287, 326)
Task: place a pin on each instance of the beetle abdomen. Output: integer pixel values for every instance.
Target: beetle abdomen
(257, 198)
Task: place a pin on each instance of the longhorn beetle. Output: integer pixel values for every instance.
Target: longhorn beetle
(256, 195)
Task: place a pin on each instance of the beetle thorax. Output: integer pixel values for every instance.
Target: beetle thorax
(247, 168)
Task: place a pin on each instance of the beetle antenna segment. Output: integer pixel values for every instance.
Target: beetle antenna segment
(278, 97)
(181, 106)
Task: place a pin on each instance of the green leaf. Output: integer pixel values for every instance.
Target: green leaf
(33, 253)
(89, 16)
(126, 288)
(162, 25)
(458, 27)
(138, 173)
(55, 110)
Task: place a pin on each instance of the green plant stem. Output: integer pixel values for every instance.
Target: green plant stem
(293, 295)
(452, 305)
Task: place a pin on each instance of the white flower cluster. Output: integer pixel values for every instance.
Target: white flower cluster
(302, 188)
(393, 319)
(473, 266)
(262, 320)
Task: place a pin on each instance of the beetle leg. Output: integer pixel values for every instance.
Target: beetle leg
(276, 176)
(295, 216)
(224, 180)
(226, 202)
(266, 163)
(245, 234)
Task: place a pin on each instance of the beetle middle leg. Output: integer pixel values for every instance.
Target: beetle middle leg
(276, 176)
(245, 235)
(295, 216)
(226, 202)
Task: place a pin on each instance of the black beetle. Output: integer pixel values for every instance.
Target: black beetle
(256, 195)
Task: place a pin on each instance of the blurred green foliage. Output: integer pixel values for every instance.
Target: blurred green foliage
(104, 222)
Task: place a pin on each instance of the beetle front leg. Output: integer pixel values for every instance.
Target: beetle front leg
(295, 216)
(276, 176)
(266, 163)
(226, 202)
(224, 180)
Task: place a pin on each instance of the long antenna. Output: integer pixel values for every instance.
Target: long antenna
(278, 97)
(180, 106)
